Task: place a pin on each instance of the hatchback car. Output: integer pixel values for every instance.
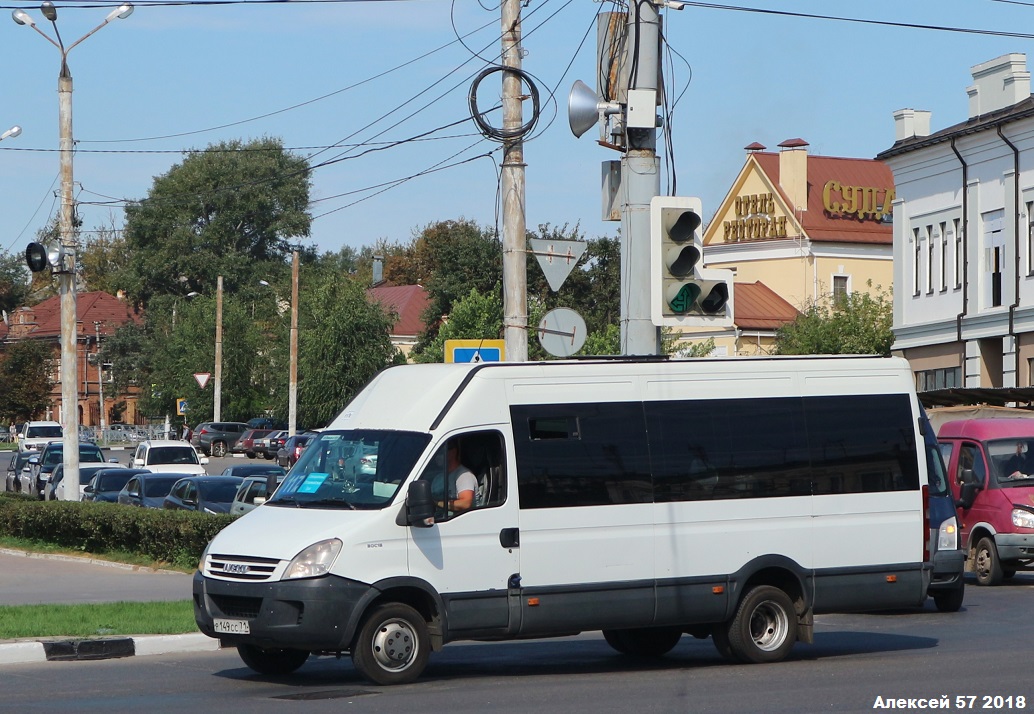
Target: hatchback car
(106, 483)
(246, 444)
(54, 489)
(19, 462)
(292, 449)
(41, 465)
(148, 490)
(216, 438)
(205, 494)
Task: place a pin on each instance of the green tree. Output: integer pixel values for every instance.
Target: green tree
(14, 281)
(234, 210)
(25, 368)
(343, 341)
(102, 259)
(858, 323)
(474, 317)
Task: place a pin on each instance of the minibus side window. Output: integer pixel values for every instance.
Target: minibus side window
(482, 454)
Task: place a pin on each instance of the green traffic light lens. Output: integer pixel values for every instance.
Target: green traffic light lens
(685, 297)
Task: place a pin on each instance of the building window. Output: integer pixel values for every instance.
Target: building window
(943, 378)
(917, 260)
(841, 288)
(959, 257)
(1030, 238)
(930, 233)
(944, 257)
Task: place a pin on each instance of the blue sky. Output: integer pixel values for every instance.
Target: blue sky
(321, 74)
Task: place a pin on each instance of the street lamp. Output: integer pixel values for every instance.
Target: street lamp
(66, 271)
(12, 132)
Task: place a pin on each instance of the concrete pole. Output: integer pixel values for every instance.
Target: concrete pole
(292, 388)
(66, 287)
(100, 380)
(217, 409)
(640, 179)
(515, 266)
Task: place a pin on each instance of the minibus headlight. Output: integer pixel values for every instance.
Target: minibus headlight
(314, 561)
(1022, 518)
(948, 534)
(204, 556)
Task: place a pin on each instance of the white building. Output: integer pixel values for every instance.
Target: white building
(963, 242)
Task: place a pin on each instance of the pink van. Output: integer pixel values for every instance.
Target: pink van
(991, 472)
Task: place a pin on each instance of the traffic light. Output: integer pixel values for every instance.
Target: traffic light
(682, 291)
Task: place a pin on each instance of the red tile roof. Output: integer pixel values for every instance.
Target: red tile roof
(758, 307)
(91, 307)
(409, 301)
(822, 226)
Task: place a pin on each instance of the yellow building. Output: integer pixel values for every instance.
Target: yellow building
(796, 229)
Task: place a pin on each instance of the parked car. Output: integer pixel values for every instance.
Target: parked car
(254, 491)
(169, 457)
(42, 464)
(288, 453)
(37, 434)
(246, 444)
(246, 470)
(267, 446)
(54, 489)
(266, 423)
(216, 438)
(148, 489)
(106, 484)
(124, 432)
(19, 462)
(205, 494)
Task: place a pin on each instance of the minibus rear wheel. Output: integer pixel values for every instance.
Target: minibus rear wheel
(392, 646)
(764, 628)
(273, 662)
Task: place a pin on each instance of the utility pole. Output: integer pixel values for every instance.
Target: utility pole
(515, 267)
(292, 389)
(640, 181)
(100, 378)
(217, 407)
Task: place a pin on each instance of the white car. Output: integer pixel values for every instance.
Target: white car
(168, 456)
(38, 434)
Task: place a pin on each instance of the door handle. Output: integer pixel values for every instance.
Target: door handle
(510, 537)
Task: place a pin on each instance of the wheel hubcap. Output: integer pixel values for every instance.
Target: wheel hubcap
(769, 626)
(983, 563)
(395, 645)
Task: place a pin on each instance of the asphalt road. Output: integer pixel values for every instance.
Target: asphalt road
(981, 651)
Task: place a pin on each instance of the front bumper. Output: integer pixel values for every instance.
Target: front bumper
(948, 569)
(1015, 546)
(317, 614)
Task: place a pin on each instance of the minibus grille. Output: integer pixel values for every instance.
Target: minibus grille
(242, 568)
(243, 607)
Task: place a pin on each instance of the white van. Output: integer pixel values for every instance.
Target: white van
(731, 498)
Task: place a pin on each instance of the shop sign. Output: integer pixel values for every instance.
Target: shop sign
(861, 202)
(754, 219)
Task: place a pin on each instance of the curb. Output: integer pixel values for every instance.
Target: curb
(107, 648)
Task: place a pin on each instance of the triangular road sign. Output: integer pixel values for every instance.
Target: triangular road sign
(557, 258)
(202, 378)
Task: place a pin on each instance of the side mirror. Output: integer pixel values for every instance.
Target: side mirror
(204, 460)
(259, 500)
(112, 461)
(34, 459)
(969, 477)
(88, 489)
(967, 493)
(419, 507)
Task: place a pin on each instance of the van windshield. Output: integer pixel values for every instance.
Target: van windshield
(1012, 461)
(356, 469)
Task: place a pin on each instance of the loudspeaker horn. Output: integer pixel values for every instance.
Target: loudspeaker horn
(583, 108)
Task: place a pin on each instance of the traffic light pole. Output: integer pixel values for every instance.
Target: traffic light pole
(640, 181)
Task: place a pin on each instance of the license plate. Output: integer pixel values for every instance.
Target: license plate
(232, 627)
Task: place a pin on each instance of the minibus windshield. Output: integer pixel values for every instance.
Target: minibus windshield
(1012, 461)
(358, 469)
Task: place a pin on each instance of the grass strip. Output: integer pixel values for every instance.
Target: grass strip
(97, 620)
(40, 546)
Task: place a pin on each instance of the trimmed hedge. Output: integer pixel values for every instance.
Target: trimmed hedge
(177, 537)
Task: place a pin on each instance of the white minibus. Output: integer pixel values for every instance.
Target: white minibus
(644, 498)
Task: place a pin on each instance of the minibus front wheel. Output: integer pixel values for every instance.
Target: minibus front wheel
(392, 646)
(764, 628)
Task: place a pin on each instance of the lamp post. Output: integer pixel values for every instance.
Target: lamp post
(66, 269)
(292, 385)
(217, 405)
(12, 132)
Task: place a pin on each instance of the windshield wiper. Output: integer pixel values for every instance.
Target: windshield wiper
(327, 502)
(285, 501)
